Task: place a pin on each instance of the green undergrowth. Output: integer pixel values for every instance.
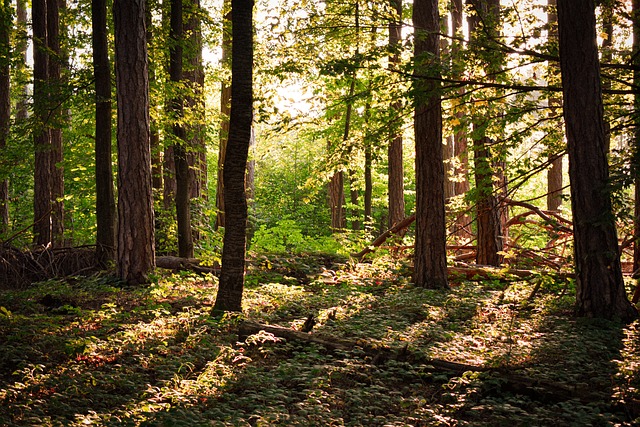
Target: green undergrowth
(87, 351)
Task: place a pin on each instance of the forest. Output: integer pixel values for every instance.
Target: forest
(319, 213)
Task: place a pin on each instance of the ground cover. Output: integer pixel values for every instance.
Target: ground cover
(87, 351)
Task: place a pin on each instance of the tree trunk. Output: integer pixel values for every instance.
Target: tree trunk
(183, 175)
(105, 199)
(554, 173)
(42, 141)
(488, 215)
(396, 169)
(636, 134)
(600, 288)
(229, 297)
(430, 257)
(5, 105)
(336, 201)
(136, 246)
(460, 149)
(55, 117)
(225, 107)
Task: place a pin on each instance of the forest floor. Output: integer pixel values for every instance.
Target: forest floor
(86, 351)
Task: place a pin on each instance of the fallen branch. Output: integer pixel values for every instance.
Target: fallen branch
(547, 391)
(484, 272)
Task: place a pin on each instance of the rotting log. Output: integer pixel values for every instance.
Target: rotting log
(539, 389)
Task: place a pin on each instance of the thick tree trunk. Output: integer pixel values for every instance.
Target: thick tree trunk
(105, 199)
(600, 288)
(5, 105)
(430, 257)
(42, 141)
(229, 296)
(225, 111)
(136, 246)
(396, 167)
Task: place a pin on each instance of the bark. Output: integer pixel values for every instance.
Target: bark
(396, 168)
(229, 297)
(105, 199)
(42, 142)
(430, 258)
(154, 137)
(488, 214)
(225, 107)
(636, 133)
(136, 247)
(21, 47)
(460, 144)
(5, 105)
(600, 288)
(336, 201)
(180, 149)
(54, 80)
(554, 173)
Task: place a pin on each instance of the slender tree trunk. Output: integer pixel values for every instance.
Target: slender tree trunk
(225, 107)
(636, 133)
(229, 296)
(5, 105)
(554, 173)
(336, 201)
(430, 259)
(396, 169)
(460, 149)
(600, 288)
(136, 246)
(42, 141)
(368, 163)
(183, 175)
(105, 199)
(55, 119)
(154, 136)
(21, 48)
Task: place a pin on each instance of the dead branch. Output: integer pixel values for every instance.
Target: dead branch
(384, 236)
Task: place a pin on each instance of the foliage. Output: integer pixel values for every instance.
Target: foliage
(88, 351)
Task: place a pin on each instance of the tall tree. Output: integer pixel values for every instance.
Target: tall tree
(136, 247)
(54, 82)
(181, 161)
(229, 296)
(395, 186)
(460, 143)
(600, 288)
(105, 199)
(482, 27)
(636, 135)
(5, 104)
(554, 173)
(430, 259)
(41, 136)
(225, 107)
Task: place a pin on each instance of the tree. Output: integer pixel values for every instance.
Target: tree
(430, 258)
(105, 200)
(181, 161)
(229, 297)
(41, 137)
(136, 247)
(636, 134)
(55, 118)
(600, 288)
(396, 171)
(5, 105)
(225, 107)
(554, 173)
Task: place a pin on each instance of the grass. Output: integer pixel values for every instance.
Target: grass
(86, 351)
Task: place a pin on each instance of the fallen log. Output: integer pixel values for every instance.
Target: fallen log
(543, 390)
(184, 264)
(484, 272)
